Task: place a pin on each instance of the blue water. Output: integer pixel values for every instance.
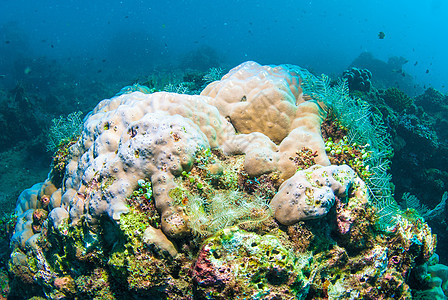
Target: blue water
(57, 57)
(129, 37)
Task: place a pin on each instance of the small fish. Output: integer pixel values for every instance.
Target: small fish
(427, 71)
(2, 76)
(415, 63)
(27, 70)
(381, 35)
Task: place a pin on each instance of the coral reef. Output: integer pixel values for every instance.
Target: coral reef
(235, 263)
(18, 126)
(432, 100)
(177, 196)
(364, 128)
(412, 202)
(358, 79)
(397, 99)
(418, 136)
(213, 74)
(388, 74)
(135, 88)
(64, 129)
(436, 107)
(311, 193)
(433, 277)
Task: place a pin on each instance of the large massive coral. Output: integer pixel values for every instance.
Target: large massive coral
(142, 188)
(270, 100)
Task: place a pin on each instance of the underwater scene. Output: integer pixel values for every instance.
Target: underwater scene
(223, 149)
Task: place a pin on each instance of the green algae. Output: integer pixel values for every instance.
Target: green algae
(259, 265)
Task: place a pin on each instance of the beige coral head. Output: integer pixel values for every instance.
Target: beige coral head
(310, 194)
(267, 102)
(257, 98)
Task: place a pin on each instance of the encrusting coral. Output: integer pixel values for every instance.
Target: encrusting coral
(212, 196)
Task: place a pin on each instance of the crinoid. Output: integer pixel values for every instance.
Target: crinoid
(223, 210)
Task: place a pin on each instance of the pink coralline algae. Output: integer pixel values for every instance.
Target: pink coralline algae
(205, 274)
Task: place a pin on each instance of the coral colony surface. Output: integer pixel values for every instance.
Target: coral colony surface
(270, 184)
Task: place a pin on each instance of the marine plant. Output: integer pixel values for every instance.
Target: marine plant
(64, 129)
(341, 152)
(213, 74)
